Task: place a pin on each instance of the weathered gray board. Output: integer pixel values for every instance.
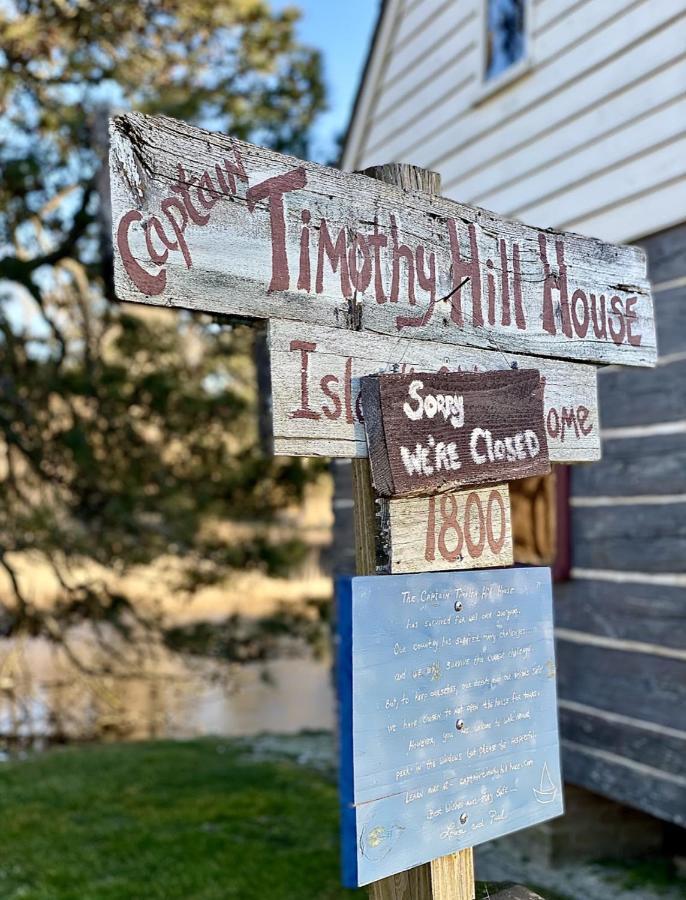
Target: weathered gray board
(456, 530)
(316, 385)
(622, 620)
(624, 732)
(206, 222)
(641, 536)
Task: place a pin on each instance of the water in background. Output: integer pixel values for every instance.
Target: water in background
(45, 699)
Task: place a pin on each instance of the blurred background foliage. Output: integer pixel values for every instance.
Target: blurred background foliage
(129, 435)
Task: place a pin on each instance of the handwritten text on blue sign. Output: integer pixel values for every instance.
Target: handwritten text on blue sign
(449, 722)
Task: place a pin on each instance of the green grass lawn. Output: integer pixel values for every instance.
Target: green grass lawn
(193, 820)
(196, 820)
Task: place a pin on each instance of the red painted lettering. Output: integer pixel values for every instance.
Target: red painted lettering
(616, 307)
(557, 282)
(304, 411)
(361, 277)
(598, 316)
(304, 279)
(334, 413)
(496, 544)
(580, 325)
(348, 390)
(632, 316)
(475, 547)
(336, 255)
(207, 193)
(377, 241)
(272, 190)
(560, 422)
(427, 281)
(154, 224)
(182, 186)
(582, 414)
(150, 285)
(465, 270)
(178, 225)
(401, 251)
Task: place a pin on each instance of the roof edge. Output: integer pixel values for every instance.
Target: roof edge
(385, 21)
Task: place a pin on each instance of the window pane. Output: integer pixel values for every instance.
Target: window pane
(505, 35)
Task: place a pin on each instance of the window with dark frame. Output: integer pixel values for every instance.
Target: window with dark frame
(505, 36)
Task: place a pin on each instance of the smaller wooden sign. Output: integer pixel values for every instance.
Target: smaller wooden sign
(316, 373)
(429, 433)
(451, 531)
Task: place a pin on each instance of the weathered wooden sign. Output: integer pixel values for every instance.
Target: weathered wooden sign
(448, 714)
(207, 222)
(455, 530)
(427, 433)
(315, 377)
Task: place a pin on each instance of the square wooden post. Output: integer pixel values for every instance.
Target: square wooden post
(449, 877)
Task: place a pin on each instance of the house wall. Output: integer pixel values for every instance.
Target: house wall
(621, 619)
(590, 138)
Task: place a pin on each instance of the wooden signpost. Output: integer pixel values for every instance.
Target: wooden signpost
(448, 717)
(427, 433)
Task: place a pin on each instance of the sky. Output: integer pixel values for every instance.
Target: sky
(341, 29)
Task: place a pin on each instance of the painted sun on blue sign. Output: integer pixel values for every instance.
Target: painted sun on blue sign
(449, 731)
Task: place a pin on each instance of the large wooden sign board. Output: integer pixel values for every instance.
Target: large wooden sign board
(207, 222)
(457, 530)
(316, 372)
(428, 433)
(448, 714)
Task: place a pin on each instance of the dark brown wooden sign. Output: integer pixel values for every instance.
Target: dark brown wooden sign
(431, 432)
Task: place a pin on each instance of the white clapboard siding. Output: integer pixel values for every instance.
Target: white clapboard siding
(440, 20)
(661, 206)
(543, 160)
(417, 100)
(566, 58)
(638, 175)
(414, 17)
(435, 50)
(547, 13)
(562, 145)
(562, 35)
(563, 110)
(580, 69)
(453, 92)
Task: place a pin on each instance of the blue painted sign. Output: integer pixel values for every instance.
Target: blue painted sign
(448, 712)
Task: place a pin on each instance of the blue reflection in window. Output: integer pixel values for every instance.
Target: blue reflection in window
(506, 37)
